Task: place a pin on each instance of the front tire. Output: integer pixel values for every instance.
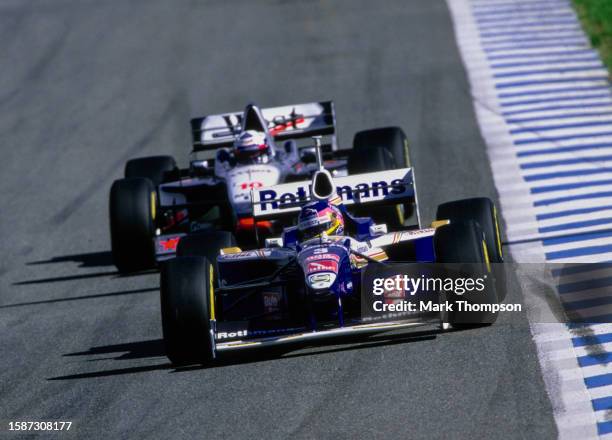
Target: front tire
(132, 207)
(463, 248)
(482, 211)
(186, 310)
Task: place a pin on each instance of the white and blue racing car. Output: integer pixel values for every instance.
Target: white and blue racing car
(311, 282)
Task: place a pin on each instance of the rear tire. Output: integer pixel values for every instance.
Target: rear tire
(482, 211)
(186, 287)
(152, 167)
(462, 245)
(132, 208)
(381, 149)
(392, 139)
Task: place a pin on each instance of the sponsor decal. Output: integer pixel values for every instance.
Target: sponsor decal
(275, 331)
(169, 244)
(260, 253)
(236, 334)
(288, 125)
(246, 179)
(250, 185)
(322, 266)
(270, 199)
(250, 170)
(272, 301)
(323, 257)
(409, 234)
(362, 248)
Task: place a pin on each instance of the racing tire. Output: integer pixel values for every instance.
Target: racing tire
(132, 206)
(392, 139)
(381, 149)
(462, 245)
(482, 211)
(185, 295)
(153, 168)
(205, 244)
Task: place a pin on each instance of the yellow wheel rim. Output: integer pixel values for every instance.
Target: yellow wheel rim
(153, 205)
(400, 214)
(406, 153)
(211, 290)
(498, 235)
(486, 256)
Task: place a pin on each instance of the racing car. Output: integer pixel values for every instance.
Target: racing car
(306, 284)
(156, 203)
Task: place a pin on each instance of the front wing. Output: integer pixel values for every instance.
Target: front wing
(306, 336)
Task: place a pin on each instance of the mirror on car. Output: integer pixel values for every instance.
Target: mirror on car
(199, 168)
(275, 242)
(378, 229)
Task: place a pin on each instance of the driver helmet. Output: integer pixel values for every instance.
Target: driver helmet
(320, 217)
(252, 146)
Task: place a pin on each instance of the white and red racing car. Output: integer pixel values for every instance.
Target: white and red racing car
(156, 203)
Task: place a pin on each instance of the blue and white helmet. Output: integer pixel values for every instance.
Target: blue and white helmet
(251, 146)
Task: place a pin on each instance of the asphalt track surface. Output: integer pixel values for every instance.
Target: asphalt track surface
(85, 85)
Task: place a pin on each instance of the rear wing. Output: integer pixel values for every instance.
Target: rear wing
(384, 187)
(286, 122)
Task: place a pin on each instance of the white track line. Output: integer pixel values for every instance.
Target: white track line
(543, 102)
